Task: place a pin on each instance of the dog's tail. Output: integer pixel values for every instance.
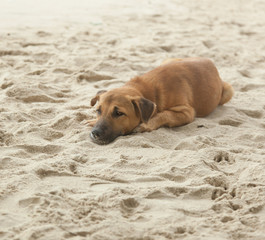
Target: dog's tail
(227, 93)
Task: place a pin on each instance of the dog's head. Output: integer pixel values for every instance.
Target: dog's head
(118, 114)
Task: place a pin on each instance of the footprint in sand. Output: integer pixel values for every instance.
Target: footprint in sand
(36, 93)
(177, 191)
(159, 194)
(50, 135)
(208, 43)
(217, 181)
(37, 72)
(247, 32)
(138, 142)
(62, 70)
(167, 48)
(251, 86)
(129, 205)
(163, 33)
(223, 157)
(46, 133)
(201, 192)
(81, 158)
(245, 73)
(50, 149)
(251, 113)
(12, 53)
(61, 122)
(26, 202)
(172, 177)
(250, 221)
(195, 143)
(32, 44)
(30, 95)
(6, 138)
(43, 34)
(91, 76)
(42, 58)
(45, 171)
(226, 219)
(6, 83)
(230, 122)
(256, 208)
(235, 205)
(217, 192)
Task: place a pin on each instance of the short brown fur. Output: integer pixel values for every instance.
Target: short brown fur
(171, 95)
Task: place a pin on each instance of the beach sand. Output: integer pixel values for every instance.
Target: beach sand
(205, 180)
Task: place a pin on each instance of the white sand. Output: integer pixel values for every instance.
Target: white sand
(205, 180)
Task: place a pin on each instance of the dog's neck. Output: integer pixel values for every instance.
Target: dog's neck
(133, 87)
(140, 88)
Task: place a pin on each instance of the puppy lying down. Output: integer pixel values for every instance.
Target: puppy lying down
(171, 95)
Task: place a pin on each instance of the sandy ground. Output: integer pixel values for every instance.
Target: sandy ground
(205, 180)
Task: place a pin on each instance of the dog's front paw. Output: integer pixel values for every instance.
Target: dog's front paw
(91, 122)
(142, 128)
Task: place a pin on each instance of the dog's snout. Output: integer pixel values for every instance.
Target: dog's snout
(95, 134)
(102, 133)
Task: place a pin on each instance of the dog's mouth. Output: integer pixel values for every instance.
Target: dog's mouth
(103, 140)
(99, 140)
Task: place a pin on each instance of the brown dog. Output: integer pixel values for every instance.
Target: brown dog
(170, 95)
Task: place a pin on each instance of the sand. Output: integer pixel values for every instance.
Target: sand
(205, 180)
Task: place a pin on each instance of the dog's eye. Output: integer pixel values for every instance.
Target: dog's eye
(98, 111)
(116, 113)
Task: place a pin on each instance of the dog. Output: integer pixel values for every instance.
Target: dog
(171, 95)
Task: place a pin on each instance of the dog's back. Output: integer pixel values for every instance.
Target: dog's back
(194, 81)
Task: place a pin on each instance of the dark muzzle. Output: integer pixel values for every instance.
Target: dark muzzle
(103, 133)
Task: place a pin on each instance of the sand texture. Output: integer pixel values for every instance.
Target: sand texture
(205, 180)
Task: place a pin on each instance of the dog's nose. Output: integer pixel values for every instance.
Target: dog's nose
(95, 134)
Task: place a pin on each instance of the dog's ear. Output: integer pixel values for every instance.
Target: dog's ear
(96, 98)
(144, 107)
